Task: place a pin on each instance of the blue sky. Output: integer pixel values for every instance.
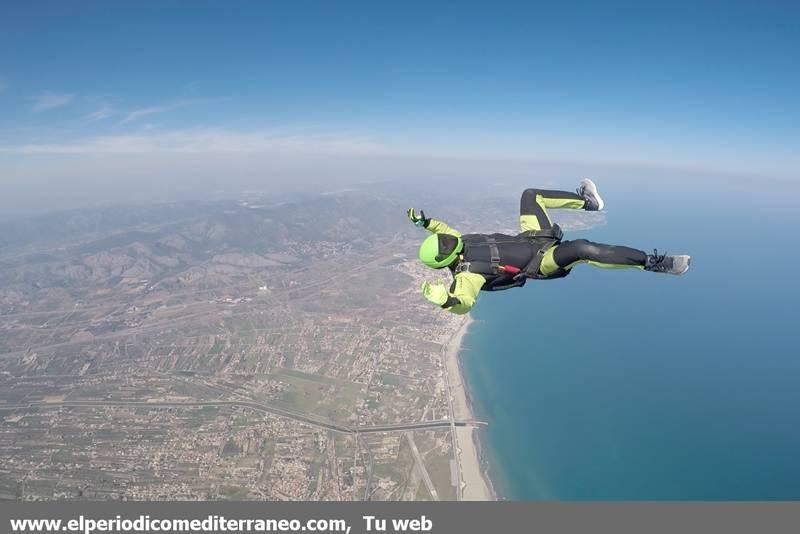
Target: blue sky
(696, 84)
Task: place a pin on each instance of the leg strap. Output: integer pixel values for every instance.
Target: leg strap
(543, 244)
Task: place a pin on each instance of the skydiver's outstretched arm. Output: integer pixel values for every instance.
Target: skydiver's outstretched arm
(432, 225)
(440, 227)
(460, 297)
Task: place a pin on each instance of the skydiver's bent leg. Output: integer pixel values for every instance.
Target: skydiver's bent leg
(534, 204)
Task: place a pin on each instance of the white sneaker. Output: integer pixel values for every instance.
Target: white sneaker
(588, 191)
(667, 264)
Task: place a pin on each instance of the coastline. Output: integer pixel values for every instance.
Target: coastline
(474, 482)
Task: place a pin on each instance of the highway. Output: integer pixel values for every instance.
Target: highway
(420, 466)
(312, 420)
(423, 425)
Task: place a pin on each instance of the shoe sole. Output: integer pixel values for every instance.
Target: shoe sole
(589, 186)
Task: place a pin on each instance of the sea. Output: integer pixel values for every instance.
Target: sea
(627, 385)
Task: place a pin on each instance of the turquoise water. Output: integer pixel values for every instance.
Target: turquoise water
(630, 385)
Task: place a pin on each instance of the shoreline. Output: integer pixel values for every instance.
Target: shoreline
(475, 484)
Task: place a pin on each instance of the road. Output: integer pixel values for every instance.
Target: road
(312, 420)
(426, 477)
(424, 425)
(453, 437)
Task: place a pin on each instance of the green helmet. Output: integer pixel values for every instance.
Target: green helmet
(440, 250)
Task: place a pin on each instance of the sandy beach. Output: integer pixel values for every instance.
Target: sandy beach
(474, 484)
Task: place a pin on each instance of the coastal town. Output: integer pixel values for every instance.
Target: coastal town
(234, 350)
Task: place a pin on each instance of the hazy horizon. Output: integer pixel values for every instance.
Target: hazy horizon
(242, 177)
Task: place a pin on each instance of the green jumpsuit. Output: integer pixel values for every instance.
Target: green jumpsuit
(557, 260)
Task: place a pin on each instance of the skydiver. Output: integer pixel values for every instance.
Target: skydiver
(493, 262)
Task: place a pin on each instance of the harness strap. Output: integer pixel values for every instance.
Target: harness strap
(554, 232)
(532, 269)
(494, 253)
(462, 267)
(548, 238)
(543, 240)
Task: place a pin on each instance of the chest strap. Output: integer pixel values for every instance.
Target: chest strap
(494, 254)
